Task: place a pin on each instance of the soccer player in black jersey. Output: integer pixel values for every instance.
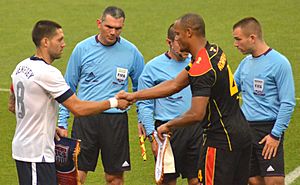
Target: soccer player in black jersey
(227, 144)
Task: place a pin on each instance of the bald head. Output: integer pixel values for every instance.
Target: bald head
(193, 21)
(249, 25)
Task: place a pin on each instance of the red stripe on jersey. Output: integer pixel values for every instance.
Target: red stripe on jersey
(210, 166)
(11, 88)
(201, 64)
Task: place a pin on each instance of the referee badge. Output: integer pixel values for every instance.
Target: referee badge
(258, 86)
(121, 74)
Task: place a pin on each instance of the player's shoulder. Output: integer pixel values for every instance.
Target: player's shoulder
(201, 64)
(214, 51)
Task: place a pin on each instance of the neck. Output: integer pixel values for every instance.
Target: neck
(44, 55)
(198, 44)
(104, 42)
(260, 49)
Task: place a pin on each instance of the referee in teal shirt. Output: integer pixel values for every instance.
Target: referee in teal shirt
(265, 80)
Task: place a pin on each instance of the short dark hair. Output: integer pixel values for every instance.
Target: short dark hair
(193, 21)
(44, 28)
(250, 25)
(171, 32)
(114, 12)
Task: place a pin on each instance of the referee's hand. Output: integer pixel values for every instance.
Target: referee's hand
(270, 148)
(123, 104)
(127, 96)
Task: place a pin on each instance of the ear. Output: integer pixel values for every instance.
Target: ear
(189, 32)
(44, 42)
(168, 41)
(99, 23)
(252, 37)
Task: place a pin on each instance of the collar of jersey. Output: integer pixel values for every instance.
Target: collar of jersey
(98, 41)
(37, 58)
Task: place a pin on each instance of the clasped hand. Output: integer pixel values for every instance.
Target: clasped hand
(130, 97)
(125, 99)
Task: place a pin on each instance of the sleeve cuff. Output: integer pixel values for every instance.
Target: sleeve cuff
(62, 127)
(275, 137)
(64, 96)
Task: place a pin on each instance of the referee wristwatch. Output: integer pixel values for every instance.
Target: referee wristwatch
(150, 137)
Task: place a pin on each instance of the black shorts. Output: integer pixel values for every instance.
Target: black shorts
(36, 173)
(186, 145)
(105, 132)
(224, 167)
(258, 165)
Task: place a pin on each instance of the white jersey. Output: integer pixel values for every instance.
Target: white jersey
(37, 86)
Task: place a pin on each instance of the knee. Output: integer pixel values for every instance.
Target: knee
(193, 181)
(256, 181)
(274, 180)
(82, 176)
(114, 179)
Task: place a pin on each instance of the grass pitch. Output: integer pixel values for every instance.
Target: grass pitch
(145, 26)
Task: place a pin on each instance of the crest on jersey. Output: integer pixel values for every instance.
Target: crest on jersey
(201, 64)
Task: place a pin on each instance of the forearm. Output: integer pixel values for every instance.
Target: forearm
(11, 103)
(186, 119)
(195, 114)
(84, 108)
(283, 119)
(162, 90)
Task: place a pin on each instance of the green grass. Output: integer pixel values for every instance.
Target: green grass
(146, 24)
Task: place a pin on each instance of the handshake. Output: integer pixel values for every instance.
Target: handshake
(127, 99)
(124, 100)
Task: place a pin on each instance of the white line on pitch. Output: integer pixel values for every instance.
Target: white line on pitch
(292, 176)
(4, 90)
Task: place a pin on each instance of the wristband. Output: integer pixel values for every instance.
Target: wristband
(113, 102)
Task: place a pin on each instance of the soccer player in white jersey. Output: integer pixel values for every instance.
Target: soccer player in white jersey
(37, 88)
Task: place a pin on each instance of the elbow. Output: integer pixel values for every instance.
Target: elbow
(11, 109)
(198, 117)
(77, 114)
(77, 111)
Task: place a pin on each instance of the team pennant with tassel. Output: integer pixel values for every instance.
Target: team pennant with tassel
(66, 156)
(165, 158)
